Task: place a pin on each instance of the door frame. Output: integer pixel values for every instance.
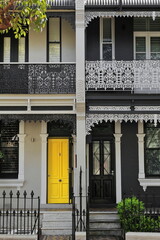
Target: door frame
(112, 144)
(70, 171)
(118, 183)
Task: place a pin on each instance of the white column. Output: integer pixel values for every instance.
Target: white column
(21, 137)
(44, 136)
(118, 136)
(141, 136)
(80, 97)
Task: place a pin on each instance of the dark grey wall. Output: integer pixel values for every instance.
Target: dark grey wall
(129, 148)
(124, 38)
(92, 41)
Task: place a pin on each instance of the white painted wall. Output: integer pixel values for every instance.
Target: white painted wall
(68, 42)
(37, 46)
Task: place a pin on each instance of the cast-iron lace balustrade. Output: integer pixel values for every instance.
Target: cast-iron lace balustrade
(134, 76)
(123, 2)
(57, 78)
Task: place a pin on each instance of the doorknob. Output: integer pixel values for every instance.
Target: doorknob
(60, 180)
(49, 175)
(112, 173)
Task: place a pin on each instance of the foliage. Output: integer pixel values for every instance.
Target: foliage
(133, 218)
(18, 15)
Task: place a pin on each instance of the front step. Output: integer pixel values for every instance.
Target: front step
(56, 223)
(104, 226)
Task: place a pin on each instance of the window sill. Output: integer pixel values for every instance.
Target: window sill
(149, 182)
(11, 183)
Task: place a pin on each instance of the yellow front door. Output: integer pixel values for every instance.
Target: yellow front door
(58, 174)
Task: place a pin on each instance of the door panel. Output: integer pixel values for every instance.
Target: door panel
(58, 175)
(102, 179)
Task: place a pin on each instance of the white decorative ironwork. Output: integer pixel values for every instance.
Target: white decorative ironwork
(89, 16)
(61, 2)
(123, 75)
(92, 119)
(147, 108)
(122, 2)
(109, 108)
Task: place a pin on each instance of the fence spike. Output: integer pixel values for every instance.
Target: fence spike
(25, 194)
(11, 194)
(18, 194)
(32, 194)
(4, 193)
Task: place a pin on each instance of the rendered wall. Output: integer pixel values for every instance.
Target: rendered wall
(38, 44)
(68, 42)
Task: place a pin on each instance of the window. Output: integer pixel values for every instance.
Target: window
(54, 40)
(152, 150)
(9, 148)
(107, 34)
(13, 50)
(146, 38)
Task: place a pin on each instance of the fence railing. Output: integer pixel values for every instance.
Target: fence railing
(19, 214)
(134, 76)
(80, 216)
(37, 78)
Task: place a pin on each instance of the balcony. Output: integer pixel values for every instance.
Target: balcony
(133, 76)
(27, 78)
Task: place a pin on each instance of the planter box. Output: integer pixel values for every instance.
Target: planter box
(142, 236)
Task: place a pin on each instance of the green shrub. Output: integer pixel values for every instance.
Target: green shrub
(132, 216)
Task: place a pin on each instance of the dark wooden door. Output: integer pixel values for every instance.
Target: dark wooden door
(102, 173)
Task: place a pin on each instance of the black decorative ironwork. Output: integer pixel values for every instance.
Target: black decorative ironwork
(19, 214)
(14, 78)
(37, 78)
(69, 119)
(51, 78)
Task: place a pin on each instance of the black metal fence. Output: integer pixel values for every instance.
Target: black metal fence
(19, 214)
(80, 216)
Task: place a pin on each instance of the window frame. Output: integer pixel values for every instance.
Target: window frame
(14, 48)
(144, 180)
(150, 149)
(112, 37)
(56, 42)
(148, 36)
(19, 182)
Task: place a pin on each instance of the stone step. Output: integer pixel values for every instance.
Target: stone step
(105, 232)
(103, 216)
(57, 225)
(104, 238)
(57, 216)
(105, 225)
(53, 232)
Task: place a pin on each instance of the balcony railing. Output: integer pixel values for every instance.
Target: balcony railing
(61, 3)
(123, 2)
(134, 76)
(27, 78)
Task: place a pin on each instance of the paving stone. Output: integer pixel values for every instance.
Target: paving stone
(59, 237)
